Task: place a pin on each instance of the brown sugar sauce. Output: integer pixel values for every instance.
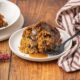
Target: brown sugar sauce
(38, 55)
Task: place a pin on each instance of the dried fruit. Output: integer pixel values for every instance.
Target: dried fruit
(4, 56)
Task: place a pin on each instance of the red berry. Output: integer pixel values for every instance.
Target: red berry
(4, 56)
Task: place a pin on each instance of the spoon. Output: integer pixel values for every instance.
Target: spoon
(59, 49)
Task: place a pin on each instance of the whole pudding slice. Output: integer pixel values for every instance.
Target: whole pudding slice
(38, 39)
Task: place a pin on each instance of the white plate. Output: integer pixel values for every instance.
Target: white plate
(6, 33)
(10, 11)
(14, 43)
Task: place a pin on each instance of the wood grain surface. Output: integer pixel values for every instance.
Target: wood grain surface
(19, 69)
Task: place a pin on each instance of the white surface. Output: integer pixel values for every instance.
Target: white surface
(5, 33)
(10, 11)
(14, 43)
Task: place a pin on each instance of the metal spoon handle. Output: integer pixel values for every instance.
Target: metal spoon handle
(78, 33)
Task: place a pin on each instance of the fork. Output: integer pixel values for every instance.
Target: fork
(59, 49)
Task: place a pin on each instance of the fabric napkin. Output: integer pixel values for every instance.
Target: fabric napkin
(68, 18)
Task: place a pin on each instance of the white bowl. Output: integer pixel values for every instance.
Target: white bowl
(6, 33)
(14, 43)
(10, 11)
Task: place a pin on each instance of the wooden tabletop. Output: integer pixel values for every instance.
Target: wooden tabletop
(19, 69)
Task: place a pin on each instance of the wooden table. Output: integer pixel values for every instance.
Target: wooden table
(19, 69)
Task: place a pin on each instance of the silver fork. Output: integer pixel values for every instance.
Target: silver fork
(59, 49)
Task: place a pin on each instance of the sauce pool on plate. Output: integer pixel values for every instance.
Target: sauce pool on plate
(39, 55)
